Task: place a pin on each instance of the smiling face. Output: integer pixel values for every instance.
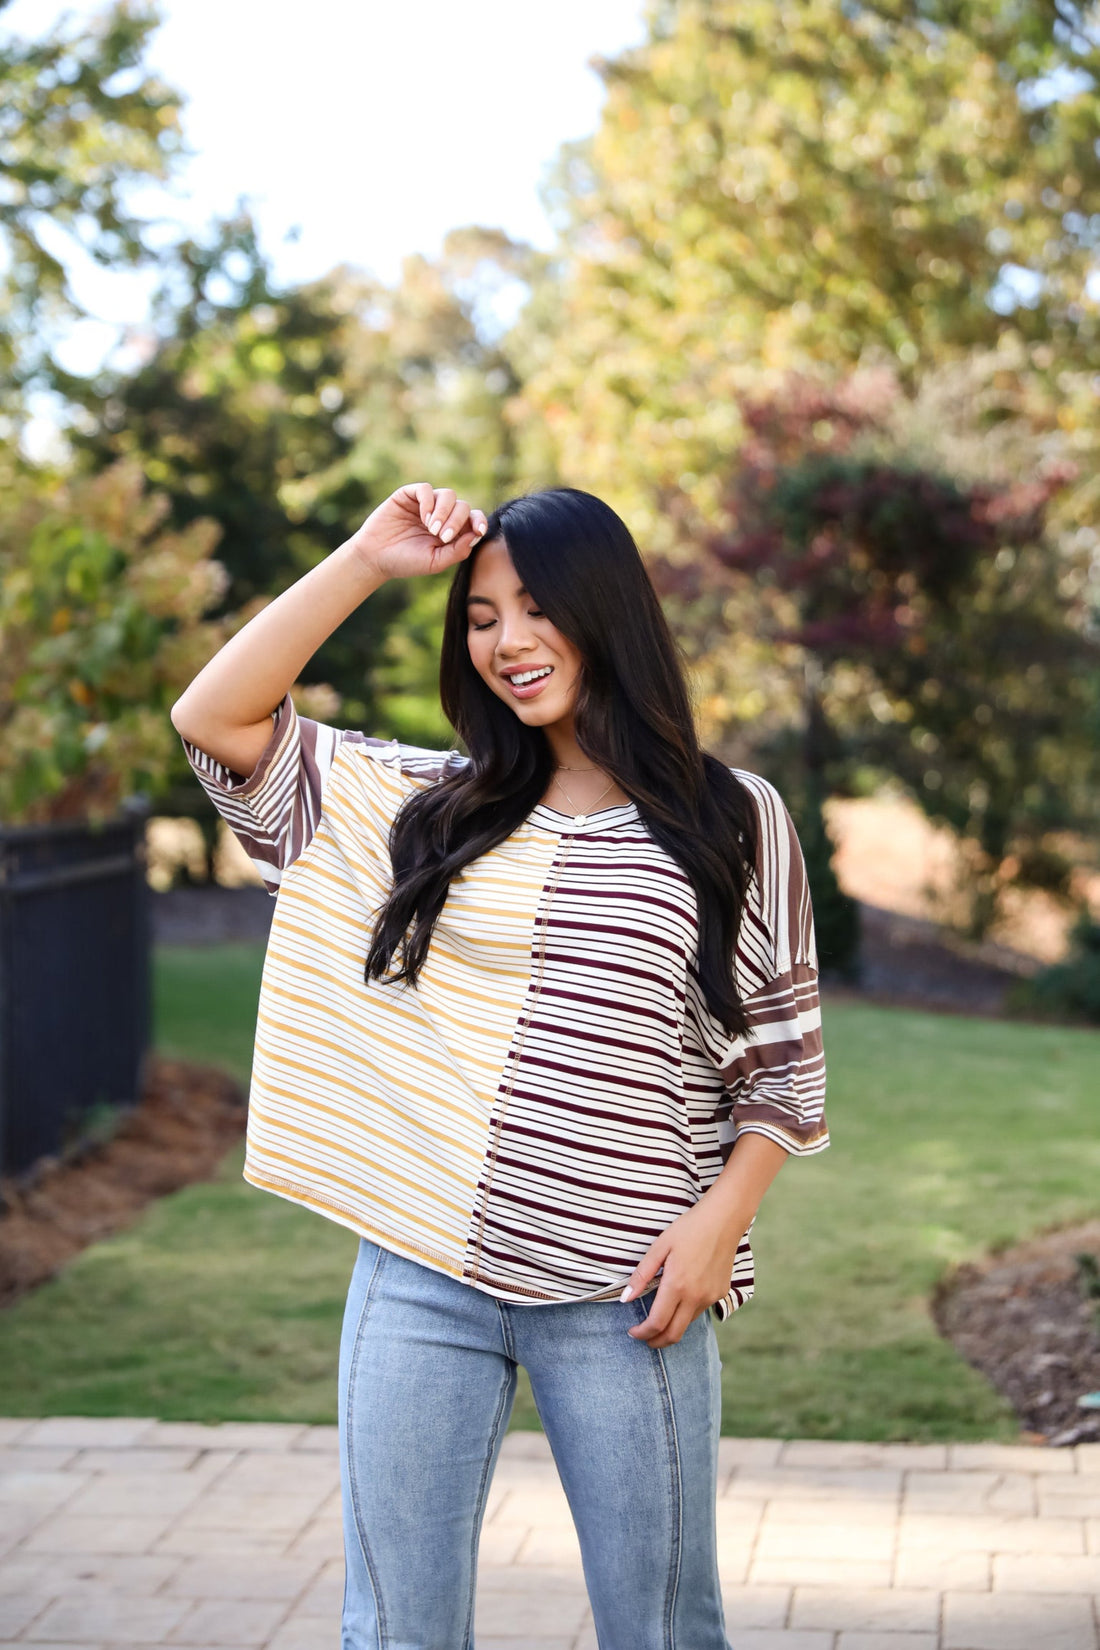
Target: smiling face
(524, 658)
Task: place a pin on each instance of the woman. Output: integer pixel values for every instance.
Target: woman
(541, 1025)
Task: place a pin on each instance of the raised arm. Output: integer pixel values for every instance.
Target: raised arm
(227, 709)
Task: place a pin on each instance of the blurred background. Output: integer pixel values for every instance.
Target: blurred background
(810, 293)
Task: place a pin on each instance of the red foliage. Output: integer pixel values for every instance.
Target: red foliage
(867, 548)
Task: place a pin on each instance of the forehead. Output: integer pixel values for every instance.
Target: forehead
(493, 572)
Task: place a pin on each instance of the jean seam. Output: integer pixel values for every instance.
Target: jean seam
(506, 1331)
(677, 1495)
(479, 1510)
(353, 1480)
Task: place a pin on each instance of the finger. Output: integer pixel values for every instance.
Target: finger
(661, 1311)
(479, 526)
(444, 504)
(455, 522)
(473, 532)
(646, 1270)
(684, 1318)
(422, 495)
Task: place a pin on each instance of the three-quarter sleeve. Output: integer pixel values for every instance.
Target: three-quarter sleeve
(775, 1077)
(273, 811)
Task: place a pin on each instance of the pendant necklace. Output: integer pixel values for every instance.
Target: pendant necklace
(582, 819)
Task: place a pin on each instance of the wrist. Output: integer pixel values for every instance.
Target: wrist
(357, 555)
(730, 1205)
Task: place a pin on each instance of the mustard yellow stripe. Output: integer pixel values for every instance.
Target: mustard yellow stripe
(393, 795)
(286, 927)
(395, 1005)
(279, 959)
(319, 869)
(338, 1048)
(460, 1019)
(350, 1186)
(347, 1217)
(391, 1174)
(463, 992)
(471, 957)
(265, 1087)
(273, 989)
(356, 1025)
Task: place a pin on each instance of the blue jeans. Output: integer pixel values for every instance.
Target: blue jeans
(427, 1380)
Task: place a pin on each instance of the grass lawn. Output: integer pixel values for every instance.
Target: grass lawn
(949, 1135)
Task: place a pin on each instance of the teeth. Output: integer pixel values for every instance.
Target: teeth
(530, 676)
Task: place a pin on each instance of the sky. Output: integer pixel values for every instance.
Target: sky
(366, 130)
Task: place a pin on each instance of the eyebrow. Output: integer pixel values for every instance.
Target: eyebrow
(484, 601)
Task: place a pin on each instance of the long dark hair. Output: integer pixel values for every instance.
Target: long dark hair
(632, 717)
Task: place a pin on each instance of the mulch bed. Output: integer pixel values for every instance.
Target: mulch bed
(188, 1118)
(1021, 1317)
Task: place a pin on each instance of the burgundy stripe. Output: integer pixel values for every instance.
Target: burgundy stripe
(571, 1033)
(605, 894)
(592, 1149)
(544, 1171)
(613, 931)
(637, 1010)
(612, 965)
(603, 1077)
(577, 1217)
(543, 1242)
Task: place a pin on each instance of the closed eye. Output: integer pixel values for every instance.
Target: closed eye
(532, 612)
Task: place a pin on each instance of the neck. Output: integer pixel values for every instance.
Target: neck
(564, 748)
(577, 791)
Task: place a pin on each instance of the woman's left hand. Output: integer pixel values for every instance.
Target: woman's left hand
(697, 1253)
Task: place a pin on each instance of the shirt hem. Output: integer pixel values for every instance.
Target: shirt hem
(434, 1259)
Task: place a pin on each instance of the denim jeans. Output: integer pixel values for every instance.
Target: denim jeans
(427, 1381)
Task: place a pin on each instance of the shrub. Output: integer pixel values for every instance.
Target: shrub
(101, 627)
(1069, 989)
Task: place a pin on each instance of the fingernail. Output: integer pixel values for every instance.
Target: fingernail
(476, 541)
(447, 534)
(627, 1293)
(433, 525)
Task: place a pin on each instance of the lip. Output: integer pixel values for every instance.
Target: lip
(532, 689)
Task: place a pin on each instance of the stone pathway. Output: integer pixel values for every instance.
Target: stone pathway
(143, 1534)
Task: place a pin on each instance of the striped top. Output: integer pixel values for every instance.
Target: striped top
(553, 1092)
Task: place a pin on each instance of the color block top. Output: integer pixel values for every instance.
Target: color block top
(553, 1092)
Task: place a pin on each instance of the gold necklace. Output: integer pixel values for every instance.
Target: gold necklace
(578, 818)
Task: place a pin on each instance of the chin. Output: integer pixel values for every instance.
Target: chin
(534, 714)
(538, 715)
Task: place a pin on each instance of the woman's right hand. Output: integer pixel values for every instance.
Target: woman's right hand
(418, 529)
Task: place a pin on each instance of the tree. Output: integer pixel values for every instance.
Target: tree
(818, 183)
(937, 621)
(285, 414)
(102, 625)
(81, 121)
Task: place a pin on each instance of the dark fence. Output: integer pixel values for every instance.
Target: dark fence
(74, 979)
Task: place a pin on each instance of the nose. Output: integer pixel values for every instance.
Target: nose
(515, 635)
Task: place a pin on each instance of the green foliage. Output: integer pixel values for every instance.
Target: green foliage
(287, 414)
(101, 627)
(407, 674)
(81, 120)
(836, 914)
(1069, 989)
(941, 628)
(827, 183)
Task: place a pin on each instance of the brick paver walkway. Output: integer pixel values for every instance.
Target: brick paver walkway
(149, 1534)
